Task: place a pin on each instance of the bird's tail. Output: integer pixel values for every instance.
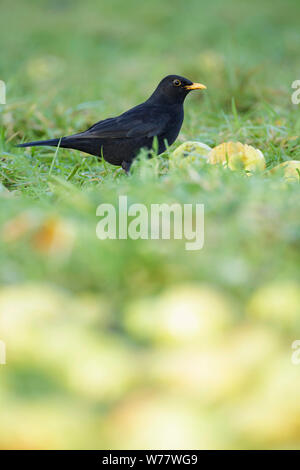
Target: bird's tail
(76, 142)
(51, 142)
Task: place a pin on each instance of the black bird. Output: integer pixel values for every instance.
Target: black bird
(119, 139)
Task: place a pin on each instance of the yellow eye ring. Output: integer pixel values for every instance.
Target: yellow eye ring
(176, 82)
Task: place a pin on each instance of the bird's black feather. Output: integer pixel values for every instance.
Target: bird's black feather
(119, 139)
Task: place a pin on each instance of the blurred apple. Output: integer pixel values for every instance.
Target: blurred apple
(161, 421)
(270, 415)
(277, 303)
(101, 367)
(35, 425)
(238, 156)
(183, 314)
(55, 237)
(35, 307)
(26, 304)
(189, 152)
(290, 170)
(218, 372)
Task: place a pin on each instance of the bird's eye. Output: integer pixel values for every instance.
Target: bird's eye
(176, 82)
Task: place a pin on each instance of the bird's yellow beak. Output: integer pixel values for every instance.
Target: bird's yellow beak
(195, 86)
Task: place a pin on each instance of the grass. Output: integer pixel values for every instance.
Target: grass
(67, 66)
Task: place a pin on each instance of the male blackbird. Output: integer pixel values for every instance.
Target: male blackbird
(119, 139)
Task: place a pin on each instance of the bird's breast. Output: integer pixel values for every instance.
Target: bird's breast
(172, 131)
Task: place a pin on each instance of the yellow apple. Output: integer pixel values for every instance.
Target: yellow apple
(183, 314)
(277, 303)
(238, 156)
(290, 170)
(189, 152)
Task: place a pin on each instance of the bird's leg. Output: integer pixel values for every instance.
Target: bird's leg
(126, 166)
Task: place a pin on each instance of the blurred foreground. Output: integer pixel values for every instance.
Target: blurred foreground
(140, 344)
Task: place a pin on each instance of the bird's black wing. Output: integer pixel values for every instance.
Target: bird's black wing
(142, 121)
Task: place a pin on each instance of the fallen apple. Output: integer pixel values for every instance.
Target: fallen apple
(289, 169)
(189, 152)
(238, 156)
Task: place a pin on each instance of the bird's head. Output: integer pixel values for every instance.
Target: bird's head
(174, 88)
